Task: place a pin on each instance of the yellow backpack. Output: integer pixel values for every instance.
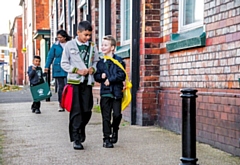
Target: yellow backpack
(127, 96)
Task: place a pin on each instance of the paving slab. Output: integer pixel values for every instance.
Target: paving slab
(42, 139)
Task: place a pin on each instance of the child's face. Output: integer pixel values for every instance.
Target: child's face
(36, 62)
(106, 47)
(84, 36)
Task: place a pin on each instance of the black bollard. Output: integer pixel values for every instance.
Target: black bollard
(188, 127)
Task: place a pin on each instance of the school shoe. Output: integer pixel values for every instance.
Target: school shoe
(37, 111)
(114, 137)
(77, 145)
(107, 143)
(60, 109)
(33, 110)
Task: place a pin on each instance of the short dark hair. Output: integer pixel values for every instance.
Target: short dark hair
(84, 25)
(37, 57)
(64, 34)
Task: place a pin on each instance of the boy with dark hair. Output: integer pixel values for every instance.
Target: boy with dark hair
(79, 59)
(35, 75)
(111, 77)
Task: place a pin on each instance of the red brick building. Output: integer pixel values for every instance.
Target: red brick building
(18, 57)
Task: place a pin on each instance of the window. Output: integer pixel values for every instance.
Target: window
(125, 21)
(83, 9)
(61, 20)
(190, 14)
(72, 8)
(101, 33)
(72, 29)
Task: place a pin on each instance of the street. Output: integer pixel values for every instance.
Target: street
(23, 95)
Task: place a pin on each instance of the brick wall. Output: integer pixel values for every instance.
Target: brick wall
(149, 62)
(95, 18)
(213, 70)
(42, 14)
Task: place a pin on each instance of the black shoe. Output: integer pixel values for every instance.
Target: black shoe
(107, 143)
(33, 110)
(60, 109)
(114, 137)
(77, 145)
(82, 135)
(37, 111)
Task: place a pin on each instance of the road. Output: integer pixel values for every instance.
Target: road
(22, 95)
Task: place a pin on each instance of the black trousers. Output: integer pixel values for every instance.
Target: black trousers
(61, 82)
(36, 105)
(110, 106)
(81, 111)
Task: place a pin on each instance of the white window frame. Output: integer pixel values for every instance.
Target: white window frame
(125, 42)
(72, 8)
(101, 32)
(83, 5)
(61, 20)
(184, 28)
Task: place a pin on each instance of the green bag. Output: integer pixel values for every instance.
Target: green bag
(40, 92)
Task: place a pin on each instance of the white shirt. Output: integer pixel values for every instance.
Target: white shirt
(80, 43)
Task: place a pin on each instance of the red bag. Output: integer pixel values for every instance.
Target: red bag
(67, 96)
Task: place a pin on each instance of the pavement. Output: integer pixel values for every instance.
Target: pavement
(42, 139)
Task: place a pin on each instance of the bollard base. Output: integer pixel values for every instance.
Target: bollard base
(188, 161)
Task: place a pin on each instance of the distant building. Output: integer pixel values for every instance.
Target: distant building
(3, 39)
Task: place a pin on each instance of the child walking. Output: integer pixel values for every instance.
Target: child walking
(111, 78)
(35, 74)
(79, 60)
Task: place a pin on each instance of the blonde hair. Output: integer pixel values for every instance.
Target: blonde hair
(111, 39)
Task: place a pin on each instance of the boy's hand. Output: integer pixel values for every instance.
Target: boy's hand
(90, 70)
(82, 72)
(33, 68)
(104, 75)
(46, 70)
(107, 83)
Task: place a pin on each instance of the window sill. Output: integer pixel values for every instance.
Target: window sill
(186, 40)
(123, 51)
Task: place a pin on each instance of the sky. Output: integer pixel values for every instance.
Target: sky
(9, 9)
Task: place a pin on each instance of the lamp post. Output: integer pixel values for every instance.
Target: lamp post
(24, 50)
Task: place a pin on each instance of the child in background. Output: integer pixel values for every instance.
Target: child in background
(111, 78)
(35, 74)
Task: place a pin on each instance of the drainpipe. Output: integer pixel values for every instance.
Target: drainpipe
(107, 17)
(75, 18)
(56, 14)
(135, 57)
(65, 15)
(89, 18)
(69, 17)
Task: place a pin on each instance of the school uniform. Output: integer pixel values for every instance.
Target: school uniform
(77, 55)
(111, 96)
(35, 77)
